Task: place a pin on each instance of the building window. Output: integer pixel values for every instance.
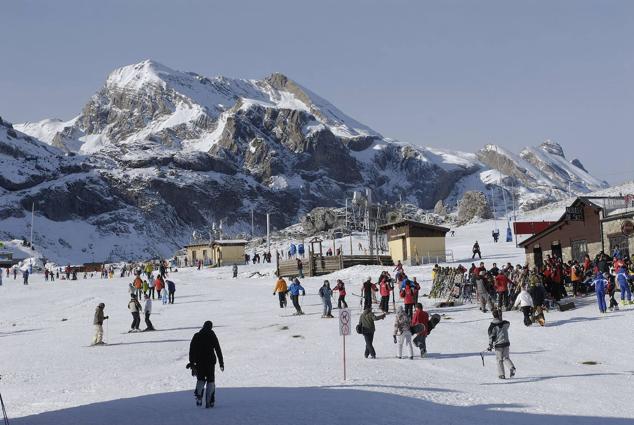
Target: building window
(621, 242)
(579, 249)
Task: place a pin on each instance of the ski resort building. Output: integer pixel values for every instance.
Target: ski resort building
(220, 252)
(617, 227)
(6, 259)
(414, 243)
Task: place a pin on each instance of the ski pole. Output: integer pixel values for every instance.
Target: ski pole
(4, 410)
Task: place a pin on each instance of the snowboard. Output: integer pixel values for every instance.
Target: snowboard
(433, 322)
(566, 306)
(416, 329)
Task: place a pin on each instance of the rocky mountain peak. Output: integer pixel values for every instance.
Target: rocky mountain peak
(552, 148)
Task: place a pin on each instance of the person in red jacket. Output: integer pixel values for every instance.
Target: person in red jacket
(341, 287)
(421, 317)
(384, 289)
(159, 285)
(407, 293)
(502, 290)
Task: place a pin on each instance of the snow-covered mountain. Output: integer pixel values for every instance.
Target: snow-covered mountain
(156, 153)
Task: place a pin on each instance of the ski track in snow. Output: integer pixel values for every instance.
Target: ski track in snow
(282, 369)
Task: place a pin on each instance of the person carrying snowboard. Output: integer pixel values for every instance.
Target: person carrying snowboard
(281, 289)
(341, 287)
(366, 324)
(403, 332)
(204, 351)
(135, 308)
(499, 340)
(98, 322)
(295, 289)
(326, 298)
(420, 325)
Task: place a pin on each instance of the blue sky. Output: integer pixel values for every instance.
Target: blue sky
(451, 74)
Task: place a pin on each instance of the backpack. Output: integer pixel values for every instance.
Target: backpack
(359, 328)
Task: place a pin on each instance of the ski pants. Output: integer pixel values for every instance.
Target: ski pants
(503, 299)
(327, 306)
(409, 310)
(300, 272)
(282, 297)
(170, 297)
(206, 375)
(625, 291)
(527, 315)
(341, 301)
(485, 300)
(295, 299)
(136, 319)
(502, 357)
(420, 342)
(385, 302)
(474, 254)
(601, 301)
(151, 293)
(367, 302)
(405, 337)
(148, 323)
(369, 348)
(98, 334)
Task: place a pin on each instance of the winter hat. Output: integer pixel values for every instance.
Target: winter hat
(208, 325)
(101, 305)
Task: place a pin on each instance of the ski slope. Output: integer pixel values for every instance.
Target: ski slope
(283, 370)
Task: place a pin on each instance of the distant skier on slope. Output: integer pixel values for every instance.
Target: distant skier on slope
(295, 289)
(98, 322)
(341, 287)
(135, 309)
(281, 289)
(326, 298)
(204, 351)
(476, 250)
(499, 340)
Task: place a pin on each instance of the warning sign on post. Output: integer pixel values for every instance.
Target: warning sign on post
(345, 320)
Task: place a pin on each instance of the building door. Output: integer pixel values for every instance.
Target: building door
(193, 257)
(404, 239)
(579, 249)
(555, 249)
(538, 258)
(620, 241)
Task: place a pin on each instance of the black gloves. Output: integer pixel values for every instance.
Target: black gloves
(490, 348)
(106, 317)
(394, 338)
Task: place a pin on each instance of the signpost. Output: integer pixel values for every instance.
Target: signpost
(345, 323)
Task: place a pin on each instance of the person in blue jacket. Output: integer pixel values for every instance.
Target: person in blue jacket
(295, 289)
(622, 279)
(600, 286)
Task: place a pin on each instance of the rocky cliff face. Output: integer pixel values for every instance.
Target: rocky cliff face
(157, 153)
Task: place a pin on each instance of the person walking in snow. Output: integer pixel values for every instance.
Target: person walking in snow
(300, 268)
(600, 285)
(476, 250)
(25, 277)
(420, 322)
(407, 293)
(623, 280)
(159, 285)
(366, 292)
(135, 309)
(295, 289)
(402, 333)
(98, 323)
(483, 291)
(366, 323)
(204, 352)
(148, 311)
(151, 288)
(385, 287)
(525, 303)
(341, 287)
(499, 340)
(235, 271)
(326, 298)
(281, 289)
(171, 290)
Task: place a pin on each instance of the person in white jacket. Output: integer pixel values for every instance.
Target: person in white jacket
(148, 312)
(525, 302)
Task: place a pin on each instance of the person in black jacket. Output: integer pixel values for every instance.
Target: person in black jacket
(204, 349)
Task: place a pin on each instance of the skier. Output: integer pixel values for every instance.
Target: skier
(204, 350)
(171, 289)
(326, 298)
(402, 330)
(295, 289)
(366, 324)
(499, 339)
(622, 279)
(341, 287)
(98, 322)
(235, 271)
(600, 285)
(476, 250)
(525, 302)
(420, 321)
(610, 289)
(135, 308)
(281, 289)
(148, 312)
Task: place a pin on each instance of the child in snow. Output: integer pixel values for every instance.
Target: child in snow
(403, 332)
(164, 297)
(499, 340)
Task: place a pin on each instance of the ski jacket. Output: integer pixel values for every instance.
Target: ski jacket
(341, 287)
(158, 283)
(367, 319)
(401, 323)
(385, 288)
(204, 349)
(499, 333)
(280, 286)
(99, 317)
(171, 286)
(421, 317)
(538, 294)
(134, 306)
(295, 288)
(325, 292)
(138, 283)
(622, 277)
(600, 284)
(408, 295)
(148, 306)
(501, 283)
(524, 299)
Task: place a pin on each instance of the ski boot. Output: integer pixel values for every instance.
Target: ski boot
(501, 377)
(512, 372)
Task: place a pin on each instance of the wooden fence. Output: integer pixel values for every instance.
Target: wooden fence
(317, 265)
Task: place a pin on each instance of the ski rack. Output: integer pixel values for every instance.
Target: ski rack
(450, 284)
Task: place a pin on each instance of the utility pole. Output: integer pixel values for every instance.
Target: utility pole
(268, 232)
(32, 219)
(251, 223)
